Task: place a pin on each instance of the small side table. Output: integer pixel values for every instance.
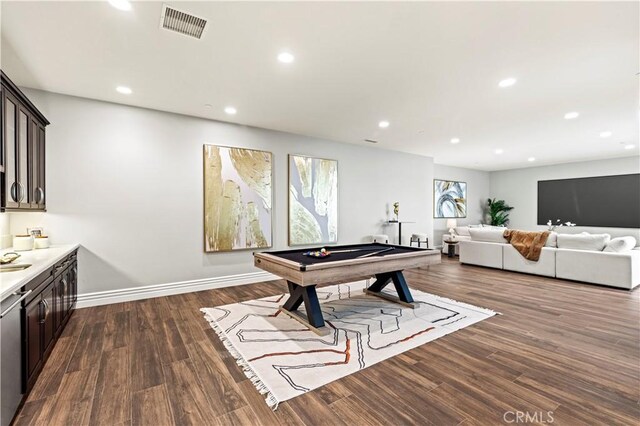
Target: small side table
(451, 249)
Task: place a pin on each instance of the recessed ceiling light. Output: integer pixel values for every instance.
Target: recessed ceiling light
(230, 110)
(120, 4)
(571, 115)
(507, 82)
(629, 146)
(531, 159)
(383, 124)
(124, 90)
(286, 57)
(208, 106)
(455, 140)
(499, 151)
(606, 134)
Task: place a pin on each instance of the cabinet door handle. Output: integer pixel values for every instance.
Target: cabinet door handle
(64, 265)
(46, 308)
(13, 305)
(21, 192)
(14, 192)
(38, 195)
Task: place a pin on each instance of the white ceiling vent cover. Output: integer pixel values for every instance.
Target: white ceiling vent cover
(181, 22)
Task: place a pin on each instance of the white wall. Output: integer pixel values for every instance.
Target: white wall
(477, 194)
(126, 183)
(5, 231)
(519, 188)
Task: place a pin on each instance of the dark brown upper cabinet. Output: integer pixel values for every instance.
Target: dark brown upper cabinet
(22, 151)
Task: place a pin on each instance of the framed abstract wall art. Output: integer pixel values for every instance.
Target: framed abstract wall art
(237, 198)
(449, 199)
(313, 200)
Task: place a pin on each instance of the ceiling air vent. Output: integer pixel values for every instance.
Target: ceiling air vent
(181, 22)
(370, 141)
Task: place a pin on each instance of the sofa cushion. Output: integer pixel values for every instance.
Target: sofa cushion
(481, 253)
(620, 244)
(514, 261)
(474, 226)
(487, 235)
(584, 241)
(613, 269)
(462, 231)
(552, 240)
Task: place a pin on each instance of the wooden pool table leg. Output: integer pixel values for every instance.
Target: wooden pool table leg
(404, 294)
(308, 295)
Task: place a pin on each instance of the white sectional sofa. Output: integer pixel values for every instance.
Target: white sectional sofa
(584, 257)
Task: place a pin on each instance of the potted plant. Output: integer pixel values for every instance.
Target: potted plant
(499, 212)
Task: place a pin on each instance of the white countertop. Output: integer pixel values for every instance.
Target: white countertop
(40, 260)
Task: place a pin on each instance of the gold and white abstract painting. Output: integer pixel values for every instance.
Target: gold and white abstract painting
(313, 200)
(237, 198)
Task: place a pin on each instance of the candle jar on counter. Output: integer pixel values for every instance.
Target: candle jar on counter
(22, 242)
(41, 242)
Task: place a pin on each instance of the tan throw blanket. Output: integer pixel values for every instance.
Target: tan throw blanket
(528, 243)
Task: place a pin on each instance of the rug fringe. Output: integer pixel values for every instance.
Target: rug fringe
(271, 400)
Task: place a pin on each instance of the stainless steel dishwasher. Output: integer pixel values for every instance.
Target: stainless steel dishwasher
(10, 357)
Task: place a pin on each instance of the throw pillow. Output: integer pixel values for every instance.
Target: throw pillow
(552, 240)
(620, 244)
(591, 242)
(463, 231)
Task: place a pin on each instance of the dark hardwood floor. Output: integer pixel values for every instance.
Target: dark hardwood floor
(561, 351)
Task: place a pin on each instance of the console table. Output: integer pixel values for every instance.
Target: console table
(399, 223)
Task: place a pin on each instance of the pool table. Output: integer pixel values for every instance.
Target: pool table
(346, 263)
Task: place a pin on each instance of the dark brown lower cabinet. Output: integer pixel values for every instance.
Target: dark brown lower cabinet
(32, 357)
(45, 315)
(49, 318)
(73, 284)
(66, 292)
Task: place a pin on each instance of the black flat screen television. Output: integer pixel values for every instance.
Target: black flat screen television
(607, 201)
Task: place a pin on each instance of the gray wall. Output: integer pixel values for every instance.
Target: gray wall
(477, 194)
(126, 183)
(519, 188)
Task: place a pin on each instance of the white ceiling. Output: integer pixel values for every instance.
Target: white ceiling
(430, 69)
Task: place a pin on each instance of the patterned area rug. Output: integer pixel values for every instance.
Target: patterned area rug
(283, 359)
